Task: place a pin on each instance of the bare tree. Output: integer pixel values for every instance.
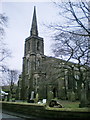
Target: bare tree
(76, 16)
(3, 24)
(71, 47)
(77, 24)
(4, 54)
(10, 78)
(75, 31)
(72, 38)
(4, 51)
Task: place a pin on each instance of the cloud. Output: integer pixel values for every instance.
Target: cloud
(26, 0)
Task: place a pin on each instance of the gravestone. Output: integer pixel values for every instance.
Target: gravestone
(32, 97)
(49, 96)
(37, 98)
(83, 100)
(44, 101)
(72, 98)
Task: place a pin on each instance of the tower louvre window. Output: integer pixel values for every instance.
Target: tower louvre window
(38, 62)
(28, 46)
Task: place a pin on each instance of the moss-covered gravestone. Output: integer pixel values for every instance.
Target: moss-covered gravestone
(62, 93)
(83, 100)
(50, 96)
(72, 98)
(37, 98)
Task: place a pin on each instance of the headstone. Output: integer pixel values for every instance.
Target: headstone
(32, 95)
(49, 96)
(72, 96)
(44, 101)
(83, 100)
(37, 98)
(62, 93)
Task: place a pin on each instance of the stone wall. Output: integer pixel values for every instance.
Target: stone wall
(42, 111)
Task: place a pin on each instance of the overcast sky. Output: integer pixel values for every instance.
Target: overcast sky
(20, 15)
(19, 24)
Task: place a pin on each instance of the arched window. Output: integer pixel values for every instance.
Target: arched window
(28, 66)
(38, 62)
(38, 45)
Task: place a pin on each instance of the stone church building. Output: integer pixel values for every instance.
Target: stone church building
(42, 74)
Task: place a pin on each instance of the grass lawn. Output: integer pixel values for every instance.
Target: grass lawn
(64, 103)
(69, 104)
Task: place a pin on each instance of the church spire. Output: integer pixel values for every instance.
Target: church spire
(34, 31)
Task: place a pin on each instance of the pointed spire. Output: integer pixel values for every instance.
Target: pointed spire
(34, 31)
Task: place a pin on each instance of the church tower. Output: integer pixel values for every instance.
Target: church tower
(33, 55)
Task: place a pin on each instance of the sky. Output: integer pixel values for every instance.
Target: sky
(19, 23)
(20, 13)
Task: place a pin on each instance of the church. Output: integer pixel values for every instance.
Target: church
(41, 74)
